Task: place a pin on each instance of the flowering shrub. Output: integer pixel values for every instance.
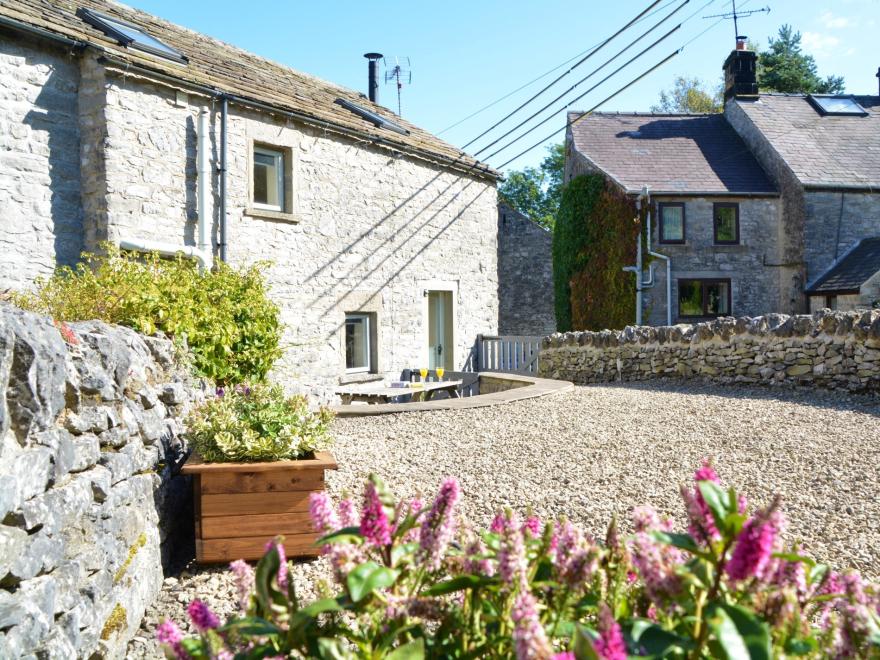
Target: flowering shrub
(257, 423)
(418, 582)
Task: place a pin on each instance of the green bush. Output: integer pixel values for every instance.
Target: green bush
(225, 316)
(256, 423)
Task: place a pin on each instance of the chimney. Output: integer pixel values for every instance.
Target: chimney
(373, 79)
(740, 71)
(878, 79)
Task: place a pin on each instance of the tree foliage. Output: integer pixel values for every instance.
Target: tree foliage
(784, 67)
(535, 191)
(689, 95)
(594, 239)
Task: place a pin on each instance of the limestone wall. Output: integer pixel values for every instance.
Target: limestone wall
(827, 349)
(89, 445)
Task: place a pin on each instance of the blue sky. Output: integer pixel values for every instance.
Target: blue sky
(467, 54)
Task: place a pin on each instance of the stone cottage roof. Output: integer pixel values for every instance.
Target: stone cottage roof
(848, 273)
(822, 150)
(230, 70)
(674, 154)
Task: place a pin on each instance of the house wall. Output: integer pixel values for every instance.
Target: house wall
(367, 231)
(755, 286)
(40, 211)
(525, 275)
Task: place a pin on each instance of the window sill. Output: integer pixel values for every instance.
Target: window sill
(268, 214)
(733, 247)
(349, 379)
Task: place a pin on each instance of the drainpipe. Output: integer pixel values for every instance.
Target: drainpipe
(647, 195)
(641, 284)
(224, 112)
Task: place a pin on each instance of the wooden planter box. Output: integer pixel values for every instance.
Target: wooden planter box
(240, 506)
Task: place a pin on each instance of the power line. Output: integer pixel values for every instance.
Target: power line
(558, 78)
(543, 75)
(601, 103)
(592, 73)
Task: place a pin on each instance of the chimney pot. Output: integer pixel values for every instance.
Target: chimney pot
(741, 42)
(740, 72)
(372, 76)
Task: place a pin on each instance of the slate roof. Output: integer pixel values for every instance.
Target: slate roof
(231, 70)
(822, 151)
(852, 270)
(676, 154)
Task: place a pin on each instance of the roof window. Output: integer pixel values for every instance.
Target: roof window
(130, 36)
(837, 105)
(371, 116)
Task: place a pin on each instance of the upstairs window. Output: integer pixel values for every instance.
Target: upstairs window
(358, 337)
(837, 105)
(671, 222)
(130, 35)
(726, 222)
(703, 298)
(268, 179)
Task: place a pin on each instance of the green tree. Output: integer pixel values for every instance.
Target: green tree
(536, 191)
(783, 67)
(689, 95)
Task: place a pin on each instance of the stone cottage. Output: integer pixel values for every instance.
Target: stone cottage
(771, 206)
(120, 126)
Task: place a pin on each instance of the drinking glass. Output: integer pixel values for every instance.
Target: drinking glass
(423, 373)
(440, 371)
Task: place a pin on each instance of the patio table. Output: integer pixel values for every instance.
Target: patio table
(383, 394)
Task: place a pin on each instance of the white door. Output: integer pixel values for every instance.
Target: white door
(440, 339)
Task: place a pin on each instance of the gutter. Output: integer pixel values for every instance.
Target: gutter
(45, 34)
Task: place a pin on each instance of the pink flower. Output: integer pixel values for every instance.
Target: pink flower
(375, 526)
(438, 527)
(512, 564)
(656, 562)
(530, 640)
(565, 655)
(169, 634)
(324, 518)
(755, 545)
(575, 558)
(610, 645)
(532, 525)
(201, 616)
(497, 524)
(282, 568)
(244, 582)
(347, 515)
(477, 563)
(702, 525)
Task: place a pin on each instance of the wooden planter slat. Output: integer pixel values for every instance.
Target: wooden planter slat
(241, 506)
(218, 527)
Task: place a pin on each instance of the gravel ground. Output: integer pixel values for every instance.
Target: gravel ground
(594, 450)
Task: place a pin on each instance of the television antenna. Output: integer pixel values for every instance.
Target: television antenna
(401, 73)
(735, 15)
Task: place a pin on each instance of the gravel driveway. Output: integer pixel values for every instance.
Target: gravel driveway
(593, 450)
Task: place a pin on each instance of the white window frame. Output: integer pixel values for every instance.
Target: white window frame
(278, 155)
(368, 357)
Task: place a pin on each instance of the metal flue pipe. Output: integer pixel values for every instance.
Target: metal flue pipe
(373, 76)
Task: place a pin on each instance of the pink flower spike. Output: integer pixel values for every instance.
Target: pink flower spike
(438, 527)
(170, 635)
(532, 525)
(347, 515)
(755, 545)
(282, 567)
(324, 518)
(497, 524)
(610, 645)
(530, 639)
(244, 582)
(375, 526)
(565, 655)
(201, 616)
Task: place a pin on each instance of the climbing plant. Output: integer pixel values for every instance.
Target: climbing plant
(595, 238)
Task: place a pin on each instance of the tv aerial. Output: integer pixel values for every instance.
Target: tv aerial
(735, 15)
(400, 72)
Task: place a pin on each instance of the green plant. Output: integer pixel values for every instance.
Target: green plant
(594, 239)
(224, 316)
(257, 423)
(415, 582)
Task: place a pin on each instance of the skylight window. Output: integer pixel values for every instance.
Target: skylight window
(130, 36)
(371, 116)
(837, 105)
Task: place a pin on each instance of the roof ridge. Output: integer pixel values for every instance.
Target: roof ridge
(618, 113)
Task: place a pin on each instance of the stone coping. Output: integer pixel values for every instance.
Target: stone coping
(519, 387)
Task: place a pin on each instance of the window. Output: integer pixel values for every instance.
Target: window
(703, 298)
(268, 179)
(372, 117)
(129, 35)
(357, 343)
(837, 105)
(726, 221)
(671, 222)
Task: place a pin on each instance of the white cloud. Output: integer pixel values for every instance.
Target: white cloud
(815, 43)
(833, 22)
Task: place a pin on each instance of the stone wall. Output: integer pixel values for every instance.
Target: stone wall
(525, 275)
(40, 212)
(89, 444)
(826, 349)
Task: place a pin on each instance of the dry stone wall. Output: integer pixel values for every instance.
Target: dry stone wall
(90, 419)
(827, 349)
